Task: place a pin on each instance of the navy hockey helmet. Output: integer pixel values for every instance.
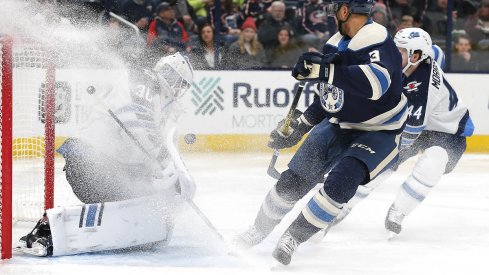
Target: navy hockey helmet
(355, 6)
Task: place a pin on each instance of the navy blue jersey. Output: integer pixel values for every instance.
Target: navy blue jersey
(364, 88)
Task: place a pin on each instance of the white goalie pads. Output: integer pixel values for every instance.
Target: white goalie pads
(112, 225)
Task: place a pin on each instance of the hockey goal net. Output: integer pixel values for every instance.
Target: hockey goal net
(27, 87)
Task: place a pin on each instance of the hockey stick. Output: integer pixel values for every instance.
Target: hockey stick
(272, 171)
(91, 90)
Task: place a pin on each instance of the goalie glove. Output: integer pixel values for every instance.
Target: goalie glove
(313, 66)
(299, 126)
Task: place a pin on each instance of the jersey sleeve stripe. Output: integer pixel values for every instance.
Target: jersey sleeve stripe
(414, 129)
(378, 77)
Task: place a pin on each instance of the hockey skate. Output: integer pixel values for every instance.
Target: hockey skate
(285, 248)
(249, 238)
(38, 242)
(394, 219)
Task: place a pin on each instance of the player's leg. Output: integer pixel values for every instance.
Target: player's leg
(442, 153)
(306, 169)
(95, 178)
(102, 226)
(368, 154)
(364, 190)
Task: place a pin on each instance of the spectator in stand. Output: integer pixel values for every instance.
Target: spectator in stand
(166, 34)
(137, 12)
(269, 28)
(464, 59)
(287, 52)
(407, 21)
(379, 14)
(311, 22)
(231, 20)
(203, 54)
(247, 52)
(185, 14)
(201, 8)
(438, 17)
(256, 9)
(397, 8)
(478, 26)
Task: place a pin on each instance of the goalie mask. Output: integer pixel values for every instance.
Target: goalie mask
(414, 39)
(175, 75)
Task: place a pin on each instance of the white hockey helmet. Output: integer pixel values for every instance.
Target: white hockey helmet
(175, 74)
(414, 39)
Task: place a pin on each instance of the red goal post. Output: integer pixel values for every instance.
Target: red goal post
(28, 134)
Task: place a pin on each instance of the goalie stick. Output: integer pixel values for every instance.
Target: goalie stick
(173, 152)
(272, 171)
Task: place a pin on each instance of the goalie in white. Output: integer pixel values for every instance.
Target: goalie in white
(437, 125)
(131, 197)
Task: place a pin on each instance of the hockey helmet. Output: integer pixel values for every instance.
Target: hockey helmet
(414, 39)
(175, 74)
(355, 6)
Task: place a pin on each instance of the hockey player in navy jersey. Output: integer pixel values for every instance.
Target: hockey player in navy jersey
(437, 125)
(356, 122)
(131, 193)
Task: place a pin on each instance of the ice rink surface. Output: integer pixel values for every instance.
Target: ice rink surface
(447, 234)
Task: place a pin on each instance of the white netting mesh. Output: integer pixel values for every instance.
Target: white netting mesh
(28, 77)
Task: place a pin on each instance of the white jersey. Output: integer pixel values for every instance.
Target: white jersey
(143, 113)
(433, 104)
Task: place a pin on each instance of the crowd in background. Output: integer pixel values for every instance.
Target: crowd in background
(258, 34)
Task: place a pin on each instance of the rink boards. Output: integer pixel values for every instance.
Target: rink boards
(226, 110)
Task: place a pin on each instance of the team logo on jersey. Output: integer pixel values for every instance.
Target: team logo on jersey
(374, 56)
(207, 95)
(412, 86)
(332, 97)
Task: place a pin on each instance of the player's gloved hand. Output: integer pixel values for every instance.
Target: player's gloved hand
(297, 129)
(313, 66)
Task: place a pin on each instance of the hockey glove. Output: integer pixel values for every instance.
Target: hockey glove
(313, 66)
(298, 128)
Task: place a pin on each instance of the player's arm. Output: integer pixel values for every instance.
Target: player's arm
(371, 80)
(368, 80)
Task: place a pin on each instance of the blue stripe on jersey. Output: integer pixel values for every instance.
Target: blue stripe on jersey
(406, 141)
(92, 211)
(131, 108)
(384, 81)
(398, 116)
(453, 96)
(412, 193)
(343, 45)
(319, 212)
(469, 128)
(414, 129)
(439, 56)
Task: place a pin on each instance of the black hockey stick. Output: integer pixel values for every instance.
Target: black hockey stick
(91, 90)
(285, 129)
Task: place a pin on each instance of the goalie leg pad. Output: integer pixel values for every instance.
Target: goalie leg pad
(111, 225)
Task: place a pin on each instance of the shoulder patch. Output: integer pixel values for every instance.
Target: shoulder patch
(369, 35)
